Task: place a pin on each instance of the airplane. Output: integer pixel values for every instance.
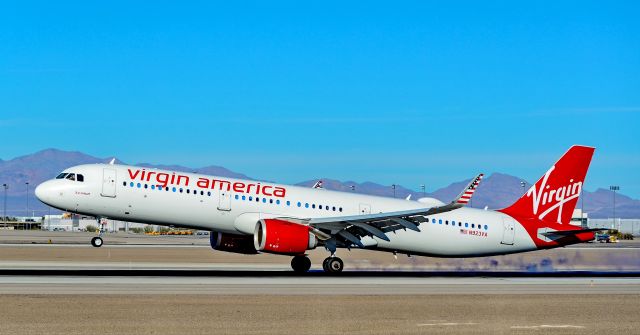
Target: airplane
(251, 217)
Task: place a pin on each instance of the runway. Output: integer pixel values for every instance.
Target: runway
(287, 283)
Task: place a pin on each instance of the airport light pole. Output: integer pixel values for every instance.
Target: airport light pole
(524, 186)
(4, 218)
(393, 186)
(353, 188)
(423, 188)
(614, 188)
(27, 213)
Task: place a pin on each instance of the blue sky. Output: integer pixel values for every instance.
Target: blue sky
(395, 92)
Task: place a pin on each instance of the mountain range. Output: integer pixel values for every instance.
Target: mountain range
(498, 190)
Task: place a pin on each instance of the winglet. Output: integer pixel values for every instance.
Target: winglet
(464, 197)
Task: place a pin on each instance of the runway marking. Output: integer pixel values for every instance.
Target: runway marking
(547, 327)
(447, 324)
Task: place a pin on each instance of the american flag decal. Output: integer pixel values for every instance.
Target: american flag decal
(468, 192)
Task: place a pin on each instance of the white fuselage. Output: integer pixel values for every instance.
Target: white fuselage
(232, 206)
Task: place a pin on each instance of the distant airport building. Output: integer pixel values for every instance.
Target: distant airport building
(72, 222)
(580, 219)
(631, 226)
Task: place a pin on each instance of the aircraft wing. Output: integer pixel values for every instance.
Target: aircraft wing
(349, 229)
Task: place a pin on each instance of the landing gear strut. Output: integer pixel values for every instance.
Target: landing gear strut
(332, 265)
(97, 241)
(301, 264)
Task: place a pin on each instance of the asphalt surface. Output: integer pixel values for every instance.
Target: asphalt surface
(54, 283)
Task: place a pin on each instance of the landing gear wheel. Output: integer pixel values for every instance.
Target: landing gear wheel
(333, 265)
(300, 264)
(97, 242)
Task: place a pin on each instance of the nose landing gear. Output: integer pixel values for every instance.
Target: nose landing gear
(97, 241)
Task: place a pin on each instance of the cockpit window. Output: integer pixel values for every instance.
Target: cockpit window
(79, 177)
(61, 176)
(71, 176)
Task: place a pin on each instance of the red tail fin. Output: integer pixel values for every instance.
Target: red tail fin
(553, 198)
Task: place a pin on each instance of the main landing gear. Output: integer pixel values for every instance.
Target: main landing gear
(332, 265)
(302, 264)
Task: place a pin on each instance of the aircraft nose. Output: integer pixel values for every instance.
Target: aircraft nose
(43, 191)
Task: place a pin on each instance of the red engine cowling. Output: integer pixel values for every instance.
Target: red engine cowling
(283, 237)
(241, 244)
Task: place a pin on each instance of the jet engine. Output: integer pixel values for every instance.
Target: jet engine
(283, 237)
(241, 244)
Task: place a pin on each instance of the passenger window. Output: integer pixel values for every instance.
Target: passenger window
(306, 205)
(244, 197)
(124, 183)
(313, 206)
(486, 227)
(440, 221)
(181, 190)
(473, 225)
(278, 202)
(271, 201)
(334, 208)
(264, 200)
(145, 185)
(466, 225)
(187, 191)
(446, 222)
(340, 209)
(237, 196)
(433, 220)
(80, 178)
(209, 194)
(299, 204)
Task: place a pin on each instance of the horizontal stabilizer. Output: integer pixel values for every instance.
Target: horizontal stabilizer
(573, 232)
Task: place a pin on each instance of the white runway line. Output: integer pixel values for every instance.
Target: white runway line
(447, 324)
(547, 327)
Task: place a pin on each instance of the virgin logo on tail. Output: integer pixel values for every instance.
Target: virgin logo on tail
(557, 190)
(557, 197)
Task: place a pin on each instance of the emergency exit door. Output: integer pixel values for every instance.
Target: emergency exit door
(509, 231)
(224, 200)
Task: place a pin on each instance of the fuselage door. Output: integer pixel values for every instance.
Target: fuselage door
(509, 231)
(365, 209)
(108, 183)
(224, 200)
